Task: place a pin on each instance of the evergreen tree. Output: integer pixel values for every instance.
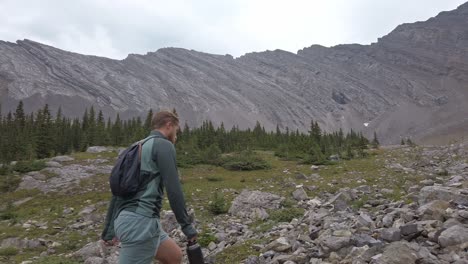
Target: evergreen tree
(117, 135)
(91, 127)
(349, 152)
(44, 134)
(375, 141)
(410, 143)
(148, 120)
(20, 117)
(37, 135)
(101, 134)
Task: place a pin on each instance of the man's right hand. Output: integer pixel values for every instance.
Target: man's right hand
(112, 242)
(193, 239)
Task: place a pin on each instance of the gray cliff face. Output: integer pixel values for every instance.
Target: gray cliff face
(412, 83)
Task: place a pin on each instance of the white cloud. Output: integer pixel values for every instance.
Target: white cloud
(114, 28)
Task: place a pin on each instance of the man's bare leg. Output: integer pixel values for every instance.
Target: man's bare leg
(169, 252)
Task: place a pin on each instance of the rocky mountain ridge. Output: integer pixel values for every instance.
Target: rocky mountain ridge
(411, 83)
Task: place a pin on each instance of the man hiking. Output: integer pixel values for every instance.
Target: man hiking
(135, 220)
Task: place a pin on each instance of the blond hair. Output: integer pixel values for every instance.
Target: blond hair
(160, 119)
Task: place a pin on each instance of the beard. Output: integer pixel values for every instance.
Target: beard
(173, 136)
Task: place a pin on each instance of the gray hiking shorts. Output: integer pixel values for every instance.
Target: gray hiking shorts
(140, 237)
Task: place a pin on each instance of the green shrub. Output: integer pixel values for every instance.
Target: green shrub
(218, 204)
(443, 172)
(187, 156)
(314, 156)
(284, 152)
(5, 170)
(9, 183)
(287, 203)
(205, 238)
(8, 251)
(245, 161)
(27, 166)
(56, 260)
(8, 213)
(211, 155)
(214, 178)
(286, 214)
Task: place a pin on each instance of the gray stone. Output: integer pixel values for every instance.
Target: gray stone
(396, 253)
(94, 260)
(279, 245)
(301, 176)
(360, 240)
(19, 243)
(98, 149)
(62, 158)
(365, 220)
(247, 202)
(453, 236)
(364, 189)
(390, 234)
(409, 229)
(463, 214)
(66, 176)
(427, 182)
(387, 220)
(212, 246)
(333, 243)
(431, 193)
(53, 164)
(92, 249)
(339, 202)
(299, 194)
(435, 209)
(87, 210)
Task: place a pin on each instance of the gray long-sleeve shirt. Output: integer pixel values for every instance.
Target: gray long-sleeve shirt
(158, 163)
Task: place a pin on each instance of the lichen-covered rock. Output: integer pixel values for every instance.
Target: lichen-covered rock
(248, 202)
(431, 193)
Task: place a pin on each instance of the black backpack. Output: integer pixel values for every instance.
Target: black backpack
(125, 177)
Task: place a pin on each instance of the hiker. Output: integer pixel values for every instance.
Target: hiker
(135, 221)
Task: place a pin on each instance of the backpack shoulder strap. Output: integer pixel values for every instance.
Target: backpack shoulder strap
(140, 145)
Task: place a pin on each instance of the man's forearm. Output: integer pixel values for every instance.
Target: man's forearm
(108, 232)
(168, 168)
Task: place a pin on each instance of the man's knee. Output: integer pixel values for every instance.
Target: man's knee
(174, 258)
(169, 253)
(177, 257)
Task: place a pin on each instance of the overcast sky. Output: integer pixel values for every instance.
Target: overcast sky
(115, 28)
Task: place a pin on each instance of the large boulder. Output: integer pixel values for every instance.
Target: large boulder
(19, 243)
(431, 193)
(96, 252)
(340, 201)
(454, 235)
(397, 253)
(279, 245)
(54, 164)
(65, 177)
(62, 158)
(433, 210)
(98, 149)
(253, 204)
(299, 194)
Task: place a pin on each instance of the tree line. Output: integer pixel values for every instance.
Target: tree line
(39, 135)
